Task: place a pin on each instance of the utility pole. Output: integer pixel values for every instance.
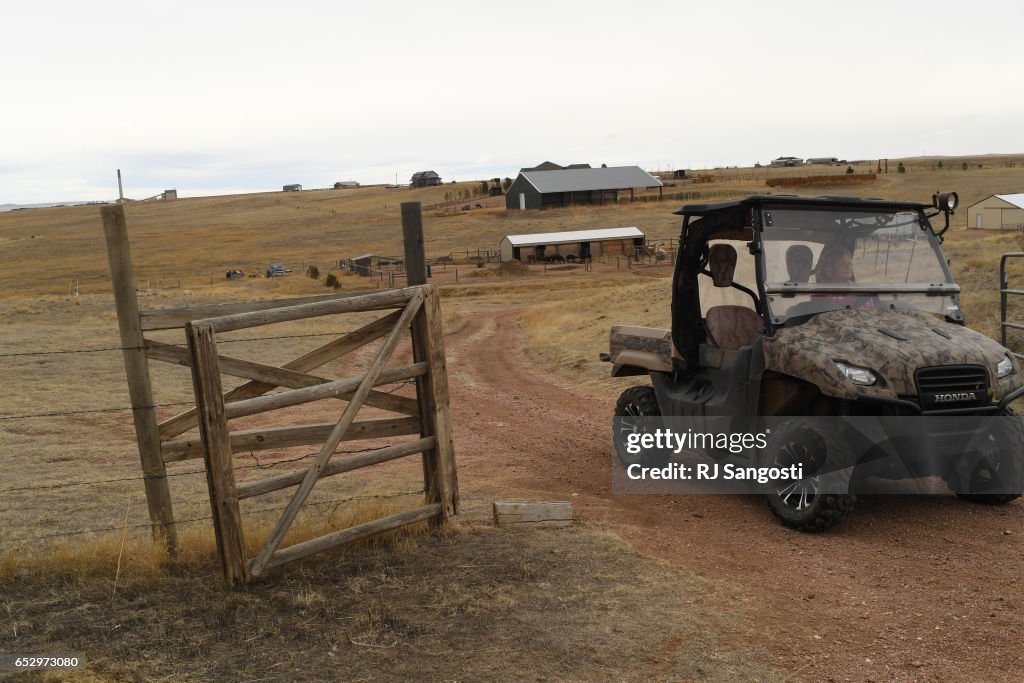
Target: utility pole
(120, 188)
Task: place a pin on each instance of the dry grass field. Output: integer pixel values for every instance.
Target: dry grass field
(475, 604)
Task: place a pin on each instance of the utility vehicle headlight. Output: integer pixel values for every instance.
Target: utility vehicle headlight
(1005, 367)
(861, 376)
(945, 201)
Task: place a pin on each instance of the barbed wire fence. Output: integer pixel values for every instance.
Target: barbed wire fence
(11, 486)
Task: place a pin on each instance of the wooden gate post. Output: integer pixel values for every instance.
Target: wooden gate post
(140, 390)
(432, 392)
(220, 476)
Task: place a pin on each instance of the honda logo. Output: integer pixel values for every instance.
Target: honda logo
(959, 396)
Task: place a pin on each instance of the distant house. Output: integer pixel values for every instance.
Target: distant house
(786, 161)
(569, 186)
(552, 166)
(169, 194)
(293, 188)
(997, 212)
(424, 179)
(344, 184)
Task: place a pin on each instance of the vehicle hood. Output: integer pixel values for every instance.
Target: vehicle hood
(892, 344)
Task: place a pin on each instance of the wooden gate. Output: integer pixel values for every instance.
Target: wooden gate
(419, 309)
(416, 307)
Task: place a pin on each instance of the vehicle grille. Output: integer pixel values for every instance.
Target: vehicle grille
(952, 386)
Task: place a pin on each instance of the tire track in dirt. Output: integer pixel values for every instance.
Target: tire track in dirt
(908, 588)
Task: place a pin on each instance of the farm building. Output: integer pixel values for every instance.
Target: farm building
(998, 212)
(823, 161)
(576, 244)
(786, 161)
(345, 184)
(292, 188)
(361, 265)
(569, 186)
(424, 179)
(552, 166)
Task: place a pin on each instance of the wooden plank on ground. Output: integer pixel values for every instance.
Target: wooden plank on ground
(298, 435)
(533, 514)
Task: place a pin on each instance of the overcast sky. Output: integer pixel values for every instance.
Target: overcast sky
(218, 97)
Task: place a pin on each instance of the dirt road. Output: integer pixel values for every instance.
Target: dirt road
(907, 588)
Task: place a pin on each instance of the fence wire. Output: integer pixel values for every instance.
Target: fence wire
(190, 520)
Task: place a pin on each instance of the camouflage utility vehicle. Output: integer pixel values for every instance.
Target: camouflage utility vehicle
(836, 307)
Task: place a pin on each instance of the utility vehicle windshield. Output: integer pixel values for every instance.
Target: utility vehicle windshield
(818, 260)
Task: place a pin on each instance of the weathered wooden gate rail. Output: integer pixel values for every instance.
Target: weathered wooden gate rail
(428, 416)
(214, 413)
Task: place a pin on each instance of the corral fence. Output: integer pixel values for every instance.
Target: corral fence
(1005, 291)
(415, 308)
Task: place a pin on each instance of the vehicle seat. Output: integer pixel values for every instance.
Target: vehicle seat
(733, 327)
(799, 263)
(730, 327)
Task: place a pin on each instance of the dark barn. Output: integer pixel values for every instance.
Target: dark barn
(424, 179)
(567, 187)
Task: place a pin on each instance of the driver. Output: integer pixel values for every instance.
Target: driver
(835, 266)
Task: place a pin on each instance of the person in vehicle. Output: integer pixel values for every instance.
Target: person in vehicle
(835, 266)
(799, 263)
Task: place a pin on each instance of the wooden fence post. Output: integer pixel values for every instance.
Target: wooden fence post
(140, 390)
(220, 477)
(438, 462)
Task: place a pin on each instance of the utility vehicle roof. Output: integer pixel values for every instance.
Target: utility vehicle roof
(793, 200)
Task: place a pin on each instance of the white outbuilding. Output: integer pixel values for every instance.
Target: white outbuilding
(998, 212)
(579, 244)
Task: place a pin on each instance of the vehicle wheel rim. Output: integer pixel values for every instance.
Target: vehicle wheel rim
(635, 423)
(798, 495)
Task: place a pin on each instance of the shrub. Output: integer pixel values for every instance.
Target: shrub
(313, 272)
(849, 170)
(332, 281)
(900, 168)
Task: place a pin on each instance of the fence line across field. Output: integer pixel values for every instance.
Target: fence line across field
(190, 520)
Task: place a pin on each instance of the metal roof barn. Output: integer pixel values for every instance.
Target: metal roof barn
(565, 187)
(997, 212)
(580, 244)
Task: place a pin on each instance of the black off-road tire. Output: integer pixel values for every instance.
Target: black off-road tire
(797, 505)
(1005, 473)
(638, 411)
